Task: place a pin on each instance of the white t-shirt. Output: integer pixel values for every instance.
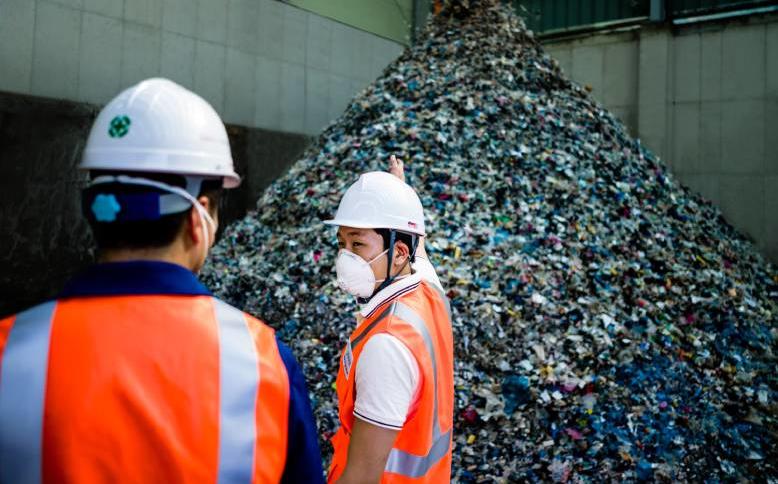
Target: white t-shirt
(386, 392)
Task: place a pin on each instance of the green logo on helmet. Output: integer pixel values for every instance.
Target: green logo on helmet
(120, 126)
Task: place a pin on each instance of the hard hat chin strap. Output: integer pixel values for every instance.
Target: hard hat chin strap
(170, 204)
(389, 255)
(389, 279)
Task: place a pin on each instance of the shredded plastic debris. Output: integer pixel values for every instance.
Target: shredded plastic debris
(609, 323)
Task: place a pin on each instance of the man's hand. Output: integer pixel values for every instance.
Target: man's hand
(396, 167)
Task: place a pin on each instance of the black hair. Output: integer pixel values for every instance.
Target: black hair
(142, 234)
(410, 240)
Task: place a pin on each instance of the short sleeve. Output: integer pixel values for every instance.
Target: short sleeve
(387, 379)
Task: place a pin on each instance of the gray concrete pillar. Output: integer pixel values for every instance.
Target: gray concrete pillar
(652, 90)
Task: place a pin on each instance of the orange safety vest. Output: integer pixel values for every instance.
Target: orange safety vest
(141, 388)
(422, 452)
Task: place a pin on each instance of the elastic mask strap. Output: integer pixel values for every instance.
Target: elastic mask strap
(167, 203)
(389, 278)
(376, 257)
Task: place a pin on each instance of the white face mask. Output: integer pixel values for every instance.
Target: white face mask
(354, 273)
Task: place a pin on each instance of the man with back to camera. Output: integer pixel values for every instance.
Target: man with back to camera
(136, 373)
(395, 383)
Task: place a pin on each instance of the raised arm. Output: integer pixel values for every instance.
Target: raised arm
(424, 266)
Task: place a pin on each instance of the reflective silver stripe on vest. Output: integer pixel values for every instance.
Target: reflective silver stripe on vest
(239, 389)
(411, 465)
(443, 296)
(404, 463)
(23, 372)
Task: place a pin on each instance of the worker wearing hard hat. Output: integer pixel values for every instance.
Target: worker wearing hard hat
(395, 384)
(136, 373)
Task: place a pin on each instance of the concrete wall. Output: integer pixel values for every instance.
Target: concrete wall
(391, 19)
(705, 99)
(260, 63)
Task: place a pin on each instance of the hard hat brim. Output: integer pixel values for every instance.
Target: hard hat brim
(361, 224)
(229, 179)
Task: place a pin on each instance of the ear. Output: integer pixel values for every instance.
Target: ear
(194, 225)
(206, 203)
(401, 253)
(197, 222)
(194, 230)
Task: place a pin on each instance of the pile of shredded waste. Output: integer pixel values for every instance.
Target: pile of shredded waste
(608, 322)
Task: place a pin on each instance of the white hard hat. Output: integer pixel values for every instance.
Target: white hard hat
(158, 126)
(380, 200)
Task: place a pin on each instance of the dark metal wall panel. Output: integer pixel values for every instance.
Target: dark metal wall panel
(543, 16)
(553, 15)
(683, 8)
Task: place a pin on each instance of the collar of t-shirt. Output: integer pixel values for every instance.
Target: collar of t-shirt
(392, 291)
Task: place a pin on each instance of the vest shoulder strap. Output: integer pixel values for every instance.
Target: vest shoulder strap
(23, 393)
